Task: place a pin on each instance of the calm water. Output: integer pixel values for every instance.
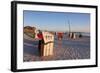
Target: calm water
(85, 34)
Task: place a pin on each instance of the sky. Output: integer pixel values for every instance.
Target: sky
(57, 21)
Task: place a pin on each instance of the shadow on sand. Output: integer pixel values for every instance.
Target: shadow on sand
(31, 49)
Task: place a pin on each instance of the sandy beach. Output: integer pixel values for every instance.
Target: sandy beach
(66, 49)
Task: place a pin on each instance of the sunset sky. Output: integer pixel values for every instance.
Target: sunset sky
(57, 21)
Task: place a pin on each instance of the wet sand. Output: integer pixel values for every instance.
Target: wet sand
(66, 49)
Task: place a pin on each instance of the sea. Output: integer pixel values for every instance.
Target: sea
(85, 34)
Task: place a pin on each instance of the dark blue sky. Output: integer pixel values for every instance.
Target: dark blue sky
(57, 21)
